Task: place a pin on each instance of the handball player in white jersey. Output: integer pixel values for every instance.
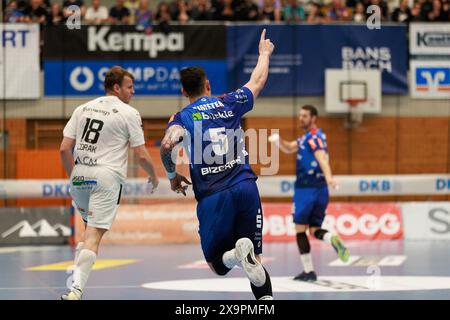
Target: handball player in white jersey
(94, 152)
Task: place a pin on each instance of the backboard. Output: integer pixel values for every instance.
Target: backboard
(346, 89)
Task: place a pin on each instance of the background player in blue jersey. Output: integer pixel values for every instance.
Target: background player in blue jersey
(311, 189)
(229, 206)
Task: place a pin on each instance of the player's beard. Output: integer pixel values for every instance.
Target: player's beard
(306, 125)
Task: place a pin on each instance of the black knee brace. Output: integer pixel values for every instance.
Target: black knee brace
(319, 233)
(264, 290)
(218, 265)
(303, 243)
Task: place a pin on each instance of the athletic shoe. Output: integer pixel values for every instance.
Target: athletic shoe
(266, 298)
(246, 256)
(307, 277)
(340, 248)
(74, 294)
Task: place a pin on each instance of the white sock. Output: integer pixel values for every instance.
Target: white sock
(86, 260)
(327, 237)
(77, 250)
(229, 259)
(307, 262)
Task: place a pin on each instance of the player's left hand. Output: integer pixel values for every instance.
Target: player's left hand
(176, 184)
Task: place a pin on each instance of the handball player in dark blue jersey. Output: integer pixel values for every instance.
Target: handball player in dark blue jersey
(314, 176)
(229, 207)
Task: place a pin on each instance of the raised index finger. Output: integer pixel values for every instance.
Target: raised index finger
(263, 35)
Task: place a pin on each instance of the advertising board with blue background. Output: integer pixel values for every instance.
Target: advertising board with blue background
(229, 53)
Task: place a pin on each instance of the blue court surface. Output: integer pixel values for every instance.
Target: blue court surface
(376, 270)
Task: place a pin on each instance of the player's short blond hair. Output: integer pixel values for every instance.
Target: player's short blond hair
(115, 75)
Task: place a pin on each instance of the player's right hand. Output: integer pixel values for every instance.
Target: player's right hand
(265, 45)
(176, 184)
(274, 138)
(154, 181)
(333, 184)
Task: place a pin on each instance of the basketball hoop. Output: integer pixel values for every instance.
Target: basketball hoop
(355, 115)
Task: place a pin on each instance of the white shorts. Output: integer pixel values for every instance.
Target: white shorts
(96, 192)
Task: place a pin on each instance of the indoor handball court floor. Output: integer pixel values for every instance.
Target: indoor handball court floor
(376, 270)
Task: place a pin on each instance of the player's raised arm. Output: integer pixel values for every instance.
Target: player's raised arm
(261, 71)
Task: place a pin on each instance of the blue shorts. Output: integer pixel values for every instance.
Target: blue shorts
(228, 215)
(310, 205)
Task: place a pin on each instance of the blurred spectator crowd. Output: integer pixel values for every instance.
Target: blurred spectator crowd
(145, 13)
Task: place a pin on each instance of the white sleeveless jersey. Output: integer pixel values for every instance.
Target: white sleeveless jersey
(103, 129)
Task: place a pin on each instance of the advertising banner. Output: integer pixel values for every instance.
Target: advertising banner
(274, 186)
(151, 224)
(304, 52)
(100, 43)
(429, 39)
(426, 220)
(85, 78)
(34, 226)
(19, 61)
(352, 221)
(75, 61)
(430, 79)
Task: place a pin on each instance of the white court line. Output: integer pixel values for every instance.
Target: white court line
(58, 288)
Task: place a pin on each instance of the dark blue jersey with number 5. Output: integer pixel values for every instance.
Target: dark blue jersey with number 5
(214, 141)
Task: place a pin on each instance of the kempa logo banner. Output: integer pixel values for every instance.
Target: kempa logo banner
(103, 40)
(100, 43)
(429, 39)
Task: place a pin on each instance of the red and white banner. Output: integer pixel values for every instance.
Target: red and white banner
(352, 221)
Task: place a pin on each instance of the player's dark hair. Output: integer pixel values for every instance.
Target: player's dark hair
(115, 75)
(193, 80)
(312, 110)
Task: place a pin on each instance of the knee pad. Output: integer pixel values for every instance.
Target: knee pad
(303, 243)
(218, 266)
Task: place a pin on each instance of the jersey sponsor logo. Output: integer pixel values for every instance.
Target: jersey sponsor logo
(104, 112)
(218, 115)
(197, 116)
(86, 147)
(219, 169)
(209, 106)
(100, 39)
(88, 161)
(83, 181)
